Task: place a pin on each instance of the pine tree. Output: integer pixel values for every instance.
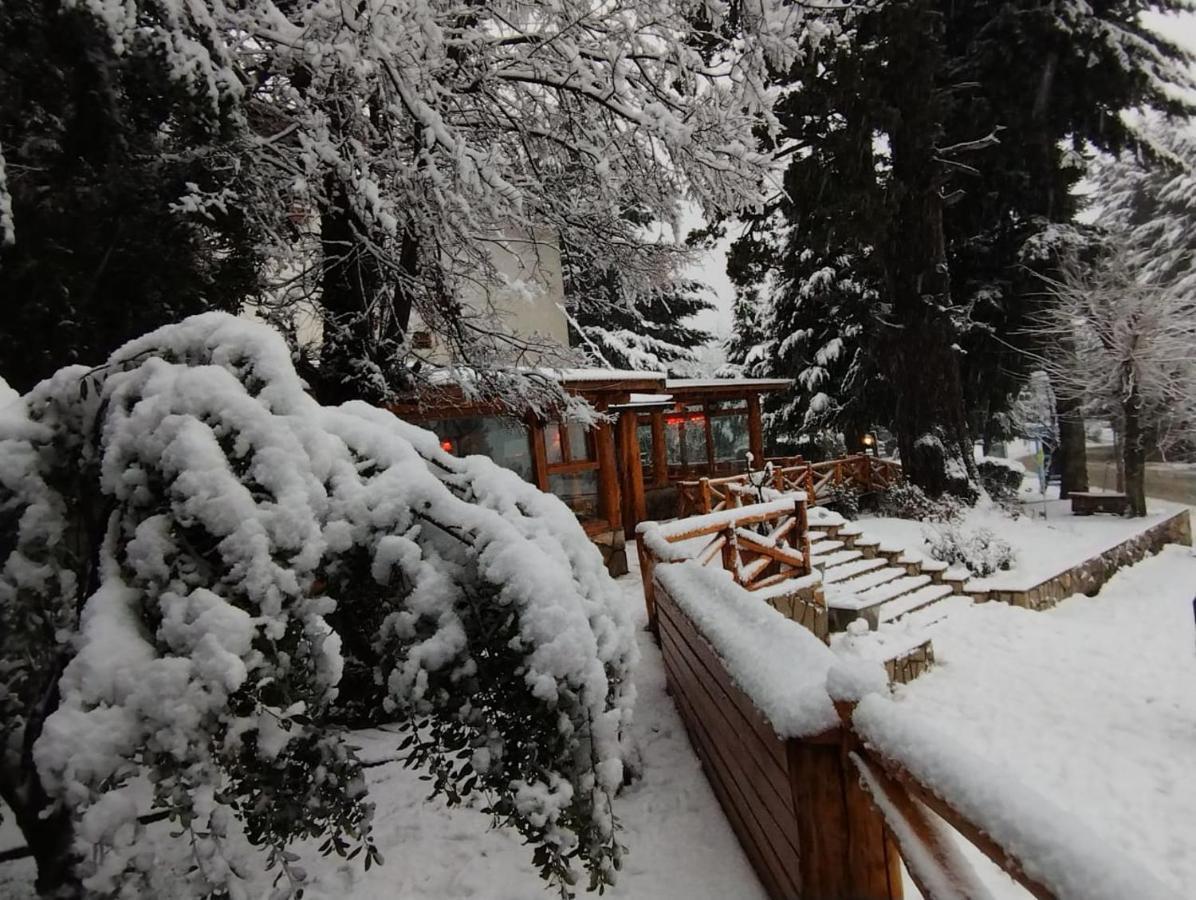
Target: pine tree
(966, 177)
(99, 151)
(646, 331)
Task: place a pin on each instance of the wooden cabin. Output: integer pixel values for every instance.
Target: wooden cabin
(614, 475)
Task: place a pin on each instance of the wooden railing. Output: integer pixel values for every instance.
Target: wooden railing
(761, 545)
(833, 814)
(861, 472)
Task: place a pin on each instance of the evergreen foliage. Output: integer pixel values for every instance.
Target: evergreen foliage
(646, 331)
(985, 136)
(98, 151)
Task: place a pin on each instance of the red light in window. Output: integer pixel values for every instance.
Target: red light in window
(696, 418)
(447, 446)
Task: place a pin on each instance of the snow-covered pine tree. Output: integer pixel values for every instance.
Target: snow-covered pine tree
(192, 550)
(908, 97)
(1085, 63)
(647, 331)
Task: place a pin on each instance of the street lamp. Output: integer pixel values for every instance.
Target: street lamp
(869, 444)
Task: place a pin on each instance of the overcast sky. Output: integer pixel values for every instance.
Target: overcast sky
(711, 268)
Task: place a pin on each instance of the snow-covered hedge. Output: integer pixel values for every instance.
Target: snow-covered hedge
(194, 551)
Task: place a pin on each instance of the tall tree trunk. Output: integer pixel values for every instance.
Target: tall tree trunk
(1073, 452)
(1134, 453)
(931, 427)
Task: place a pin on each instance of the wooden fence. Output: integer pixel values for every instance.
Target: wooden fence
(832, 816)
(762, 546)
(860, 472)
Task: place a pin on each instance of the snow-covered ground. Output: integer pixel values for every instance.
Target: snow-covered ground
(681, 847)
(1046, 538)
(1092, 702)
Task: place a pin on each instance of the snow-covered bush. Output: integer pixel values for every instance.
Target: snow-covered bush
(980, 551)
(1001, 478)
(843, 499)
(903, 500)
(193, 552)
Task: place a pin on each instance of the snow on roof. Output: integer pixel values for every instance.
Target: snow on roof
(781, 666)
(587, 375)
(766, 384)
(650, 398)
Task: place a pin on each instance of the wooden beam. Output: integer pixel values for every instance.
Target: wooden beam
(535, 431)
(635, 506)
(660, 456)
(608, 474)
(755, 429)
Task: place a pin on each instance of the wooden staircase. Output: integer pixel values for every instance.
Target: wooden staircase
(863, 578)
(896, 593)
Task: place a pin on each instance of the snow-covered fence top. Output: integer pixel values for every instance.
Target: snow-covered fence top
(1043, 846)
(776, 662)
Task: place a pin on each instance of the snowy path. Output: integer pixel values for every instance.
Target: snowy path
(681, 847)
(1093, 702)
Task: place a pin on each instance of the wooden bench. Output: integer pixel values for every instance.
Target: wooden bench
(1085, 504)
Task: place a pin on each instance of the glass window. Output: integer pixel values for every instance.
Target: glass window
(644, 433)
(579, 490)
(579, 442)
(730, 437)
(685, 438)
(552, 443)
(503, 440)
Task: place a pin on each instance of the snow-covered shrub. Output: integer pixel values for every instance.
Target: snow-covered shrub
(843, 499)
(194, 550)
(903, 500)
(979, 550)
(1001, 478)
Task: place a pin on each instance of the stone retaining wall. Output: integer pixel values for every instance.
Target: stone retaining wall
(1090, 576)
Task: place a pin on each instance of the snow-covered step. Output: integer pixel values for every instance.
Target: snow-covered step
(822, 548)
(835, 574)
(921, 619)
(934, 565)
(894, 589)
(869, 580)
(837, 558)
(913, 601)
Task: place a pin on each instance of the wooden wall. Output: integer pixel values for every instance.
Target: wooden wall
(806, 825)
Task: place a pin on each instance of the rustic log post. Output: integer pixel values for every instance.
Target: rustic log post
(660, 458)
(646, 566)
(811, 496)
(704, 504)
(731, 553)
(635, 508)
(845, 850)
(803, 534)
(778, 479)
(755, 429)
(608, 474)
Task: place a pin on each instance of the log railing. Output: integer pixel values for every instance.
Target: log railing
(761, 545)
(860, 472)
(832, 814)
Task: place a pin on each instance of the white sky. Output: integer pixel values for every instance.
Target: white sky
(711, 267)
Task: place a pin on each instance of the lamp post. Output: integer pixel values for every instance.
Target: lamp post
(869, 442)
